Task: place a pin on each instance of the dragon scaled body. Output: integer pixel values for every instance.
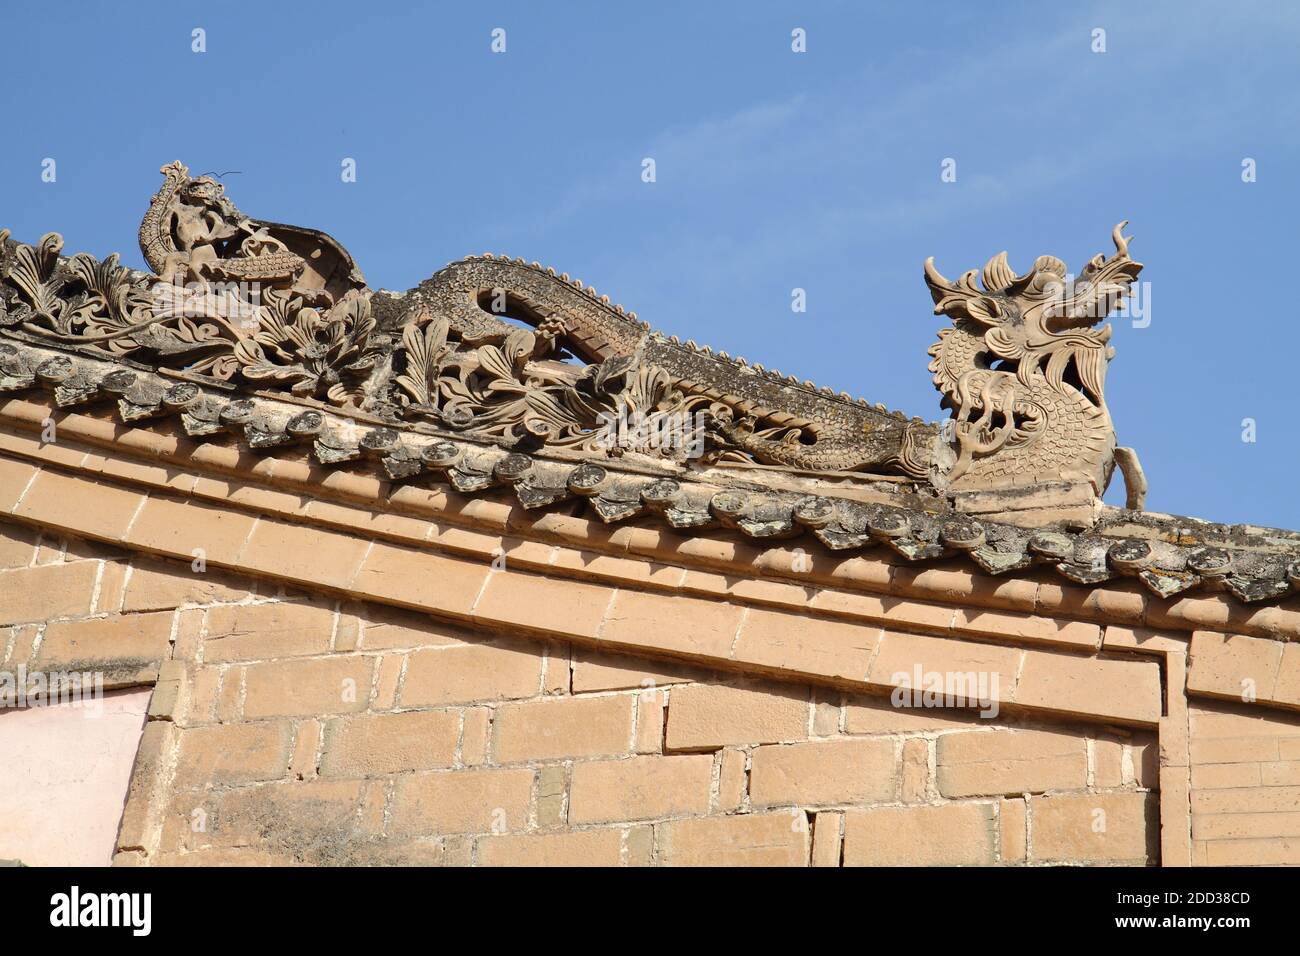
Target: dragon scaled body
(762, 415)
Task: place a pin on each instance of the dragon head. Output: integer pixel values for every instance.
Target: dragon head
(1044, 318)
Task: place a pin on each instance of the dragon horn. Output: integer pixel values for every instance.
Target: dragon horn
(1121, 243)
(933, 276)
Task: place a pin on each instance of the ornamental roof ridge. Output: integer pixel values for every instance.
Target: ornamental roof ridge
(740, 361)
(507, 353)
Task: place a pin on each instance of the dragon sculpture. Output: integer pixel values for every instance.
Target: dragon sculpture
(758, 413)
(485, 347)
(1024, 370)
(191, 231)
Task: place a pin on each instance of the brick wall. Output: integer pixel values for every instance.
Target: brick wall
(369, 672)
(293, 727)
(1245, 786)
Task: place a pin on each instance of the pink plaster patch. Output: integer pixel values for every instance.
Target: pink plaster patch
(64, 772)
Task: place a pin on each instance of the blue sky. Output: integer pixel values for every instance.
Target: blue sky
(775, 170)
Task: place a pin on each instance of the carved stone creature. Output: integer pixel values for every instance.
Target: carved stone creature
(759, 413)
(192, 232)
(1024, 370)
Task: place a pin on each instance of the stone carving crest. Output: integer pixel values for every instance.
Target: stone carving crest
(517, 355)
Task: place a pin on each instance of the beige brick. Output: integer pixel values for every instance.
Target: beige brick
(639, 846)
(50, 550)
(102, 510)
(338, 685)
(826, 838)
(1287, 689)
(245, 632)
(901, 655)
(373, 744)
(757, 839)
(1245, 826)
(303, 553)
(682, 625)
(169, 698)
(799, 644)
(1012, 833)
(878, 716)
(640, 788)
(232, 754)
(46, 593)
(1118, 637)
(556, 670)
(956, 834)
(576, 848)
(17, 544)
(1107, 764)
(187, 633)
(374, 802)
(995, 762)
(596, 671)
(1094, 827)
(203, 698)
(306, 743)
(649, 722)
(474, 736)
(230, 698)
(1256, 800)
(552, 785)
(420, 579)
(155, 586)
(1210, 720)
(152, 760)
(137, 641)
(1174, 812)
(462, 801)
(826, 718)
(1234, 750)
(111, 581)
(1281, 773)
(546, 605)
(1226, 776)
(315, 821)
(1270, 852)
(1027, 628)
(1233, 665)
(823, 772)
(186, 528)
(1144, 754)
(466, 673)
(708, 716)
(1127, 690)
(553, 727)
(15, 476)
(385, 628)
(915, 777)
(347, 633)
(732, 780)
(386, 684)
(888, 611)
